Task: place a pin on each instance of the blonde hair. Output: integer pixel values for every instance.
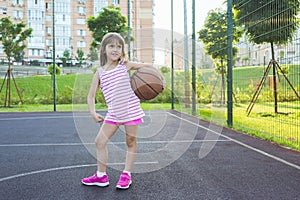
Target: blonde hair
(107, 39)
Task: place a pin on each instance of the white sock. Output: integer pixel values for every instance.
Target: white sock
(100, 174)
(129, 173)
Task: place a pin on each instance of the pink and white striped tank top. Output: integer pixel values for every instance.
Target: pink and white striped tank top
(123, 104)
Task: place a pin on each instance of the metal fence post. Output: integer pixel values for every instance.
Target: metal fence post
(229, 63)
(172, 56)
(53, 55)
(129, 37)
(193, 62)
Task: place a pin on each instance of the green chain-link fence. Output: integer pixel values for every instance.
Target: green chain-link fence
(265, 63)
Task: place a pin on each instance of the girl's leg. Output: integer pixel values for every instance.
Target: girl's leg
(131, 133)
(104, 135)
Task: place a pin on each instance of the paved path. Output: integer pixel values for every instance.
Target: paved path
(45, 155)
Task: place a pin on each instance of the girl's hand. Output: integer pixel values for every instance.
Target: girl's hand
(97, 117)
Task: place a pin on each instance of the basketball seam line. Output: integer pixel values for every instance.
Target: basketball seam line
(150, 74)
(147, 84)
(136, 90)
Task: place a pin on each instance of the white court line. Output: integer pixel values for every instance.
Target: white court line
(55, 117)
(40, 117)
(242, 144)
(110, 143)
(66, 167)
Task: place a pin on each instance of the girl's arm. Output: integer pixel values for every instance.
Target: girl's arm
(91, 99)
(136, 65)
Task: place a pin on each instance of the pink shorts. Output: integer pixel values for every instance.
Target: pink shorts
(129, 123)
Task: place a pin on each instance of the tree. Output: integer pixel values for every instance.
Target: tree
(273, 22)
(165, 70)
(66, 57)
(93, 55)
(80, 56)
(214, 36)
(109, 19)
(268, 21)
(18, 55)
(12, 37)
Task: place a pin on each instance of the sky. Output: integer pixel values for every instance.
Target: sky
(162, 11)
(162, 21)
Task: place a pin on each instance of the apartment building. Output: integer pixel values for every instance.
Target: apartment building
(71, 32)
(250, 54)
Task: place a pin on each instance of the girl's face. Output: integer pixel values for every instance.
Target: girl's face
(113, 51)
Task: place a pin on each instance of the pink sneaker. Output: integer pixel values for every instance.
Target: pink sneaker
(124, 182)
(95, 180)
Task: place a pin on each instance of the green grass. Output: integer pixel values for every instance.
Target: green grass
(244, 76)
(39, 89)
(262, 123)
(74, 107)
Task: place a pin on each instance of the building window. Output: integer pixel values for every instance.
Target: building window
(48, 54)
(81, 32)
(99, 5)
(49, 42)
(48, 18)
(115, 2)
(81, 44)
(31, 52)
(19, 2)
(18, 14)
(82, 1)
(81, 21)
(3, 11)
(48, 6)
(48, 30)
(81, 10)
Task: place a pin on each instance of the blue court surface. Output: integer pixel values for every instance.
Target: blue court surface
(45, 156)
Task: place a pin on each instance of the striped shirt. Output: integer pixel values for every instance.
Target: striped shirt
(123, 104)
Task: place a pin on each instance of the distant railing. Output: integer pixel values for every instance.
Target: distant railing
(19, 71)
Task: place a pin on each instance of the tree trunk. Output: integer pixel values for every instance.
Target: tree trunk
(8, 90)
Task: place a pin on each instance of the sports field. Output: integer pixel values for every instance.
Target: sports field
(45, 156)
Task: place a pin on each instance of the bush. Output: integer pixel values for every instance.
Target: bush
(94, 69)
(164, 70)
(50, 69)
(35, 63)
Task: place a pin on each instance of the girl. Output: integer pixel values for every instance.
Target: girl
(123, 108)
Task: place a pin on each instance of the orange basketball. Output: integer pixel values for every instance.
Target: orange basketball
(147, 83)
